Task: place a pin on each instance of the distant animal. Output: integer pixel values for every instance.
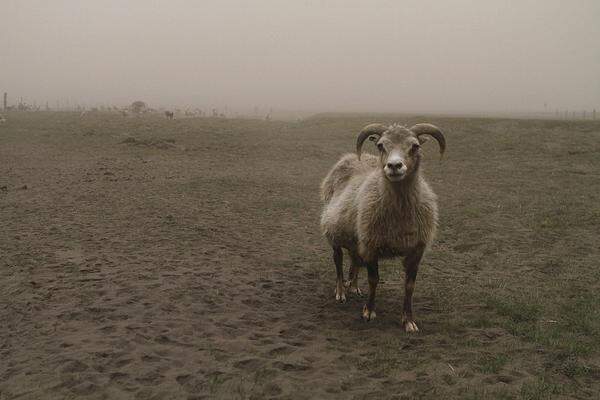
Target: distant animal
(138, 107)
(2, 119)
(381, 207)
(169, 114)
(124, 113)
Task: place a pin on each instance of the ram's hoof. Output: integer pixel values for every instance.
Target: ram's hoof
(410, 326)
(368, 315)
(340, 298)
(340, 294)
(353, 289)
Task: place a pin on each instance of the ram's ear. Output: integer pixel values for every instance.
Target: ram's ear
(373, 138)
(423, 139)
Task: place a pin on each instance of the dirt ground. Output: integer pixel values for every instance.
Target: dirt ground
(152, 259)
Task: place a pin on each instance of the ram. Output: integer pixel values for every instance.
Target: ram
(381, 207)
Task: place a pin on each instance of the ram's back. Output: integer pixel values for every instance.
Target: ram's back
(343, 171)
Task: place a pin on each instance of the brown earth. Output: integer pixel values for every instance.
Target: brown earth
(145, 258)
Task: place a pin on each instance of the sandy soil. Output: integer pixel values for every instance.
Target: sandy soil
(144, 258)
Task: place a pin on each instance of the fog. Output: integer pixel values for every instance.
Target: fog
(428, 56)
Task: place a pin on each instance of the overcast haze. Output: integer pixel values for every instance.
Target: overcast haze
(309, 55)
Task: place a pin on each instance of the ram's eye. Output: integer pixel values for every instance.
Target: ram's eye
(380, 146)
(415, 147)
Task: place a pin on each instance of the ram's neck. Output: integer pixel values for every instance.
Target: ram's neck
(404, 192)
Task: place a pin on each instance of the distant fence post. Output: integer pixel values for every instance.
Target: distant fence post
(594, 114)
(5, 101)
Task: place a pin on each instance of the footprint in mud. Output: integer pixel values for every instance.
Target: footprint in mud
(272, 389)
(310, 359)
(121, 363)
(108, 329)
(265, 284)
(151, 378)
(252, 302)
(296, 343)
(280, 351)
(74, 366)
(348, 359)
(183, 379)
(291, 367)
(150, 358)
(164, 339)
(119, 377)
(288, 333)
(249, 364)
(84, 389)
(504, 379)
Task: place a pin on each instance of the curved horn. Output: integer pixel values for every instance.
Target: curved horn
(371, 129)
(433, 131)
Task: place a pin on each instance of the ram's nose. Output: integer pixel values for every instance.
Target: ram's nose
(395, 166)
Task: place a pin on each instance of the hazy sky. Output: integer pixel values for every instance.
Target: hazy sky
(312, 55)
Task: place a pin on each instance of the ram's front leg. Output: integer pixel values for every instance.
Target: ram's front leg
(411, 267)
(369, 308)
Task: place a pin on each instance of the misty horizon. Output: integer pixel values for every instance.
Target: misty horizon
(311, 56)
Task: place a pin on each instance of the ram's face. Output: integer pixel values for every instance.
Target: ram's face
(399, 151)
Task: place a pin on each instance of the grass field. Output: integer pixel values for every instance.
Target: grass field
(145, 258)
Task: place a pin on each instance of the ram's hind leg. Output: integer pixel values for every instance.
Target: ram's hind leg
(411, 267)
(340, 290)
(352, 283)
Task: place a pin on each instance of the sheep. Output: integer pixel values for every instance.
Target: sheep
(379, 208)
(2, 119)
(169, 114)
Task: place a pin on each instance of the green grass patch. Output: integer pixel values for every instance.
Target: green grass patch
(571, 334)
(491, 364)
(486, 394)
(518, 311)
(540, 389)
(572, 367)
